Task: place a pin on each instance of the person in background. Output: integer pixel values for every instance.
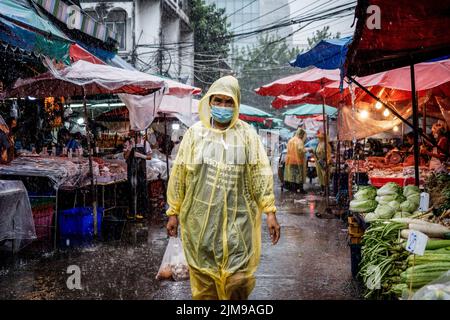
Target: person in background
(71, 142)
(136, 151)
(175, 148)
(295, 168)
(7, 150)
(321, 160)
(437, 155)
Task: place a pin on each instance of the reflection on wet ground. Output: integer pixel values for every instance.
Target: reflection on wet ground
(311, 261)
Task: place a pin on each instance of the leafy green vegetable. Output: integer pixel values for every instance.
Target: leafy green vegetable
(366, 193)
(410, 190)
(363, 205)
(390, 188)
(384, 211)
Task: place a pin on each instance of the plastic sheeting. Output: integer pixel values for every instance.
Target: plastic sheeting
(85, 78)
(61, 171)
(16, 218)
(444, 105)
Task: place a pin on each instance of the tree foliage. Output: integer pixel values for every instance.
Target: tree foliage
(322, 34)
(262, 63)
(211, 41)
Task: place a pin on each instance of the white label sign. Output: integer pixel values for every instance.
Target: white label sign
(417, 241)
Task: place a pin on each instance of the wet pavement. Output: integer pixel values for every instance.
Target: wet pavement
(311, 261)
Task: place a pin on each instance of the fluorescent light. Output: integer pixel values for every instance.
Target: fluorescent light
(80, 121)
(378, 105)
(386, 112)
(31, 98)
(395, 129)
(175, 126)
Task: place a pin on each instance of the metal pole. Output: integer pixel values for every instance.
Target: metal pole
(326, 152)
(91, 169)
(166, 146)
(416, 126)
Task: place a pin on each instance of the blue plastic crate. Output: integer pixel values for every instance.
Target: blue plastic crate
(79, 222)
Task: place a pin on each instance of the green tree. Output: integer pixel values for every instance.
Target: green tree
(322, 34)
(211, 41)
(262, 63)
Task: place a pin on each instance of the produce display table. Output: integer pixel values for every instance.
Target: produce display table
(16, 219)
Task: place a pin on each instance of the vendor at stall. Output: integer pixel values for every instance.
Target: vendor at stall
(7, 151)
(437, 155)
(136, 151)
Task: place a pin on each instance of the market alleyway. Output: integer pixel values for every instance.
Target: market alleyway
(311, 261)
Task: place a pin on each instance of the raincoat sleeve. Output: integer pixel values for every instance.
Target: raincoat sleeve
(261, 176)
(176, 189)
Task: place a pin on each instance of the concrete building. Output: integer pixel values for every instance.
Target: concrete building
(156, 36)
(249, 15)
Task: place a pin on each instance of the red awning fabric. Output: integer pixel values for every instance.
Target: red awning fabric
(411, 32)
(77, 52)
(251, 118)
(305, 82)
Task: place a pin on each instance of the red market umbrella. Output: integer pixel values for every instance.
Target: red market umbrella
(77, 52)
(305, 82)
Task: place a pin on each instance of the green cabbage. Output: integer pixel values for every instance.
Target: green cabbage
(370, 217)
(414, 198)
(409, 206)
(410, 190)
(402, 215)
(363, 205)
(384, 211)
(390, 197)
(394, 205)
(366, 193)
(390, 188)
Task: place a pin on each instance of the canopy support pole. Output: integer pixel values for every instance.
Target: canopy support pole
(416, 126)
(166, 146)
(327, 170)
(397, 115)
(91, 168)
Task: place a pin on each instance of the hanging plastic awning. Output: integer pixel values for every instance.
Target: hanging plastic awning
(23, 28)
(77, 53)
(328, 54)
(410, 32)
(60, 10)
(253, 112)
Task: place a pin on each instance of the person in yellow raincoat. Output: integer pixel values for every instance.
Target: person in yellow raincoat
(321, 160)
(220, 185)
(295, 166)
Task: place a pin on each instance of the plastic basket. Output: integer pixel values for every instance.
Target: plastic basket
(43, 221)
(379, 182)
(79, 222)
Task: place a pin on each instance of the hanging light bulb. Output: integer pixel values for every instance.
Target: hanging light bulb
(80, 121)
(386, 112)
(378, 105)
(395, 129)
(364, 114)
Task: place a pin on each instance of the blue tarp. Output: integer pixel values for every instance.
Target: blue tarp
(310, 110)
(327, 54)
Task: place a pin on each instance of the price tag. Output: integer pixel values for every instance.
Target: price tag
(417, 241)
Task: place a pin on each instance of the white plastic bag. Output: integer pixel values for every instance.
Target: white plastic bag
(438, 289)
(173, 265)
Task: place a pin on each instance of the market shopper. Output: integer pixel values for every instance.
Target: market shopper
(219, 186)
(136, 151)
(295, 166)
(321, 160)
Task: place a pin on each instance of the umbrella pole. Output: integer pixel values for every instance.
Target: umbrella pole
(327, 209)
(91, 168)
(415, 126)
(166, 146)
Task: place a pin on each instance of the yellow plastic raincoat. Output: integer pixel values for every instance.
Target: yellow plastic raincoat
(320, 160)
(220, 184)
(295, 166)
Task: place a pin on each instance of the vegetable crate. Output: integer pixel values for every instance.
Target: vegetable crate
(43, 220)
(355, 232)
(379, 181)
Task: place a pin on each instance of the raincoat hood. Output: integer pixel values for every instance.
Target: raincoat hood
(227, 86)
(301, 134)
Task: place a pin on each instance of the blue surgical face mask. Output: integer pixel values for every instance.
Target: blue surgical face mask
(222, 114)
